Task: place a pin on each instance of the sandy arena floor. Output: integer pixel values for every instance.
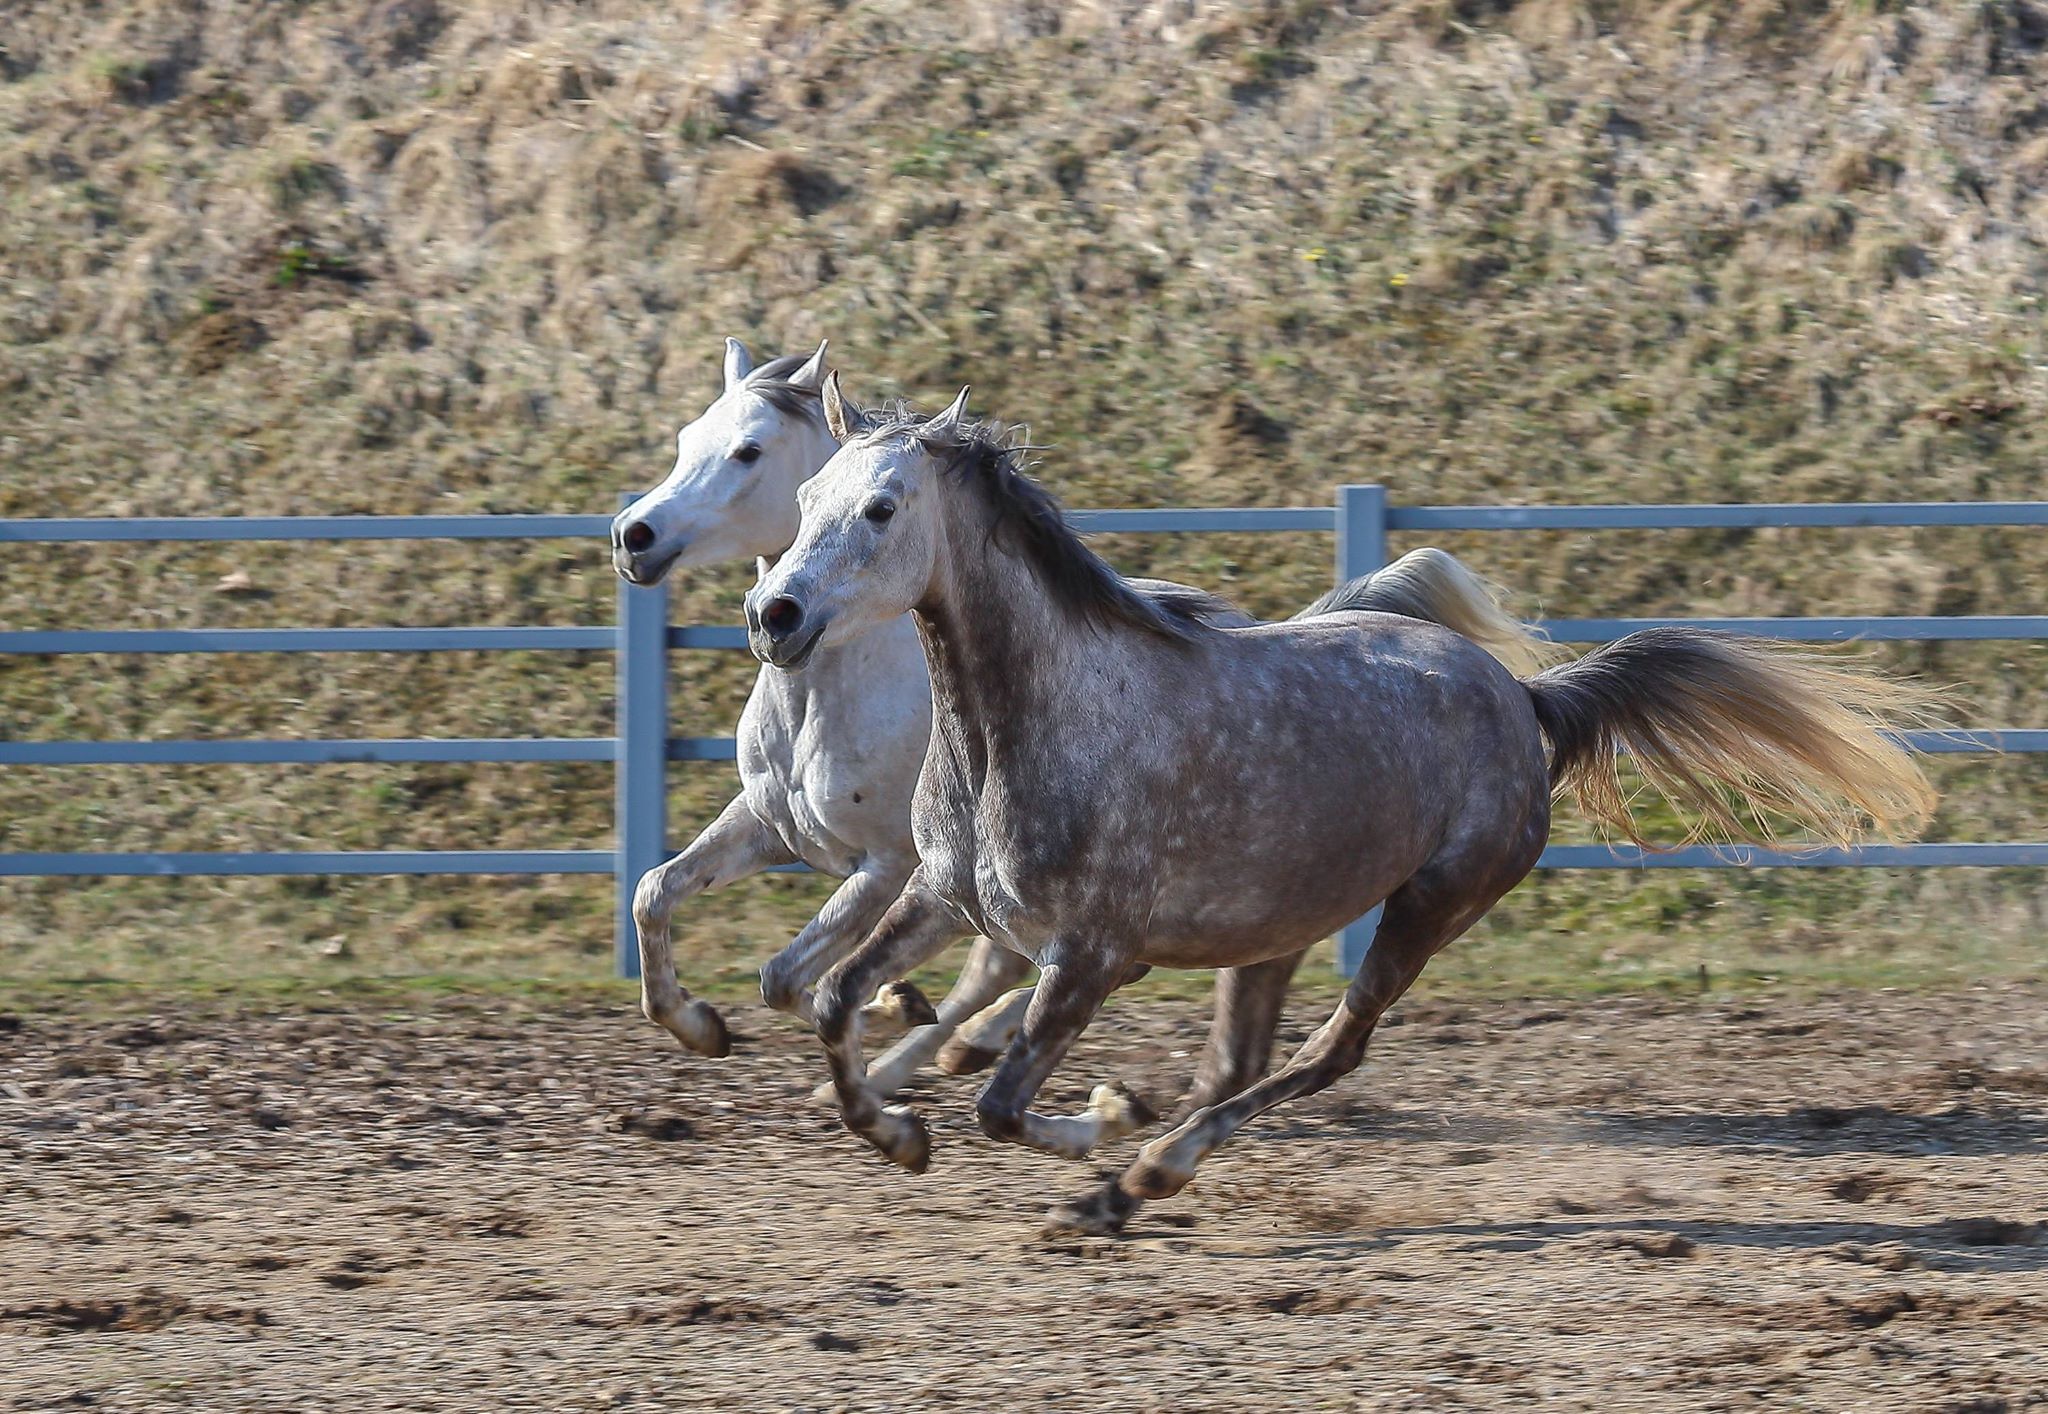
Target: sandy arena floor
(1828, 1204)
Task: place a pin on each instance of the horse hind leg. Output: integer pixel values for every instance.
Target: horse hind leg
(734, 846)
(1421, 917)
(1249, 1002)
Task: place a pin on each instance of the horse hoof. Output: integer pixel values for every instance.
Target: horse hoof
(1151, 1182)
(958, 1057)
(1120, 1108)
(1102, 1213)
(702, 1029)
(903, 1004)
(903, 1139)
(910, 1005)
(1159, 1172)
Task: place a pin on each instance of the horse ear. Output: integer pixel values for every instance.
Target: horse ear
(812, 374)
(949, 420)
(835, 405)
(738, 362)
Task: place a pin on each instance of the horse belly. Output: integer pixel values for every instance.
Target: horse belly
(1234, 921)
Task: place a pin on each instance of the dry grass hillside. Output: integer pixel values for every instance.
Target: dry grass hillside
(411, 255)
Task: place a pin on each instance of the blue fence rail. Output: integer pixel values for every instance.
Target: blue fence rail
(642, 638)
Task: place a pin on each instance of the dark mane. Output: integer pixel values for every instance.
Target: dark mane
(771, 381)
(1027, 521)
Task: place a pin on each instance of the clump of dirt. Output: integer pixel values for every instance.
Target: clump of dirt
(705, 1311)
(1862, 1187)
(1994, 1232)
(152, 1309)
(662, 1126)
(1657, 1245)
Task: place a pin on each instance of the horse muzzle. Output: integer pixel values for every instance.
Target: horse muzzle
(780, 633)
(643, 570)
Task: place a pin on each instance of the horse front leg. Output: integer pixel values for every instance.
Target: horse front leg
(1249, 1002)
(917, 927)
(1072, 984)
(734, 846)
(991, 969)
(847, 917)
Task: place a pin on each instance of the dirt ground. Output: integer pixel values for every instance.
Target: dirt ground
(1713, 1203)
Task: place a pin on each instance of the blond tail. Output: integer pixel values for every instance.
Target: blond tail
(1718, 724)
(1431, 585)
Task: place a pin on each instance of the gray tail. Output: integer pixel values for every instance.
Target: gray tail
(1733, 731)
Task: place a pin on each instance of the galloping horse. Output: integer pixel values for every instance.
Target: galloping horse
(1115, 780)
(828, 756)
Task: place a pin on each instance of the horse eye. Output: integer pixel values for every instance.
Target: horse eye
(880, 512)
(748, 454)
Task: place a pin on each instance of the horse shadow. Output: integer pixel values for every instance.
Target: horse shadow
(1976, 1245)
(1982, 1128)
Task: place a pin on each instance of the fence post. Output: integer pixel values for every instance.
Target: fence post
(1361, 549)
(640, 768)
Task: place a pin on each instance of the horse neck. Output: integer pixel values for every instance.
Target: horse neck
(1004, 656)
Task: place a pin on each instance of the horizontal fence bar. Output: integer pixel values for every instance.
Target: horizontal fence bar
(1917, 629)
(1997, 740)
(357, 862)
(78, 530)
(1904, 856)
(1765, 516)
(707, 636)
(210, 528)
(547, 749)
(303, 753)
(1220, 518)
(74, 530)
(702, 748)
(308, 640)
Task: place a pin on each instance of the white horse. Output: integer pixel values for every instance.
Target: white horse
(827, 756)
(830, 753)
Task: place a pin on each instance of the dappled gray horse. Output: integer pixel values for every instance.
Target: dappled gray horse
(828, 756)
(1115, 780)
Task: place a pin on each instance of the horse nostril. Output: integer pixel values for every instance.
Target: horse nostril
(638, 538)
(781, 616)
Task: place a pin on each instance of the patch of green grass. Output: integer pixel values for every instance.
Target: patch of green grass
(943, 152)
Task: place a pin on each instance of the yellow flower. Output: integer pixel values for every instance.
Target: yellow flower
(1314, 254)
(1397, 281)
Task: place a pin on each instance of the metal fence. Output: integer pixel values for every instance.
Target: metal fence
(640, 747)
